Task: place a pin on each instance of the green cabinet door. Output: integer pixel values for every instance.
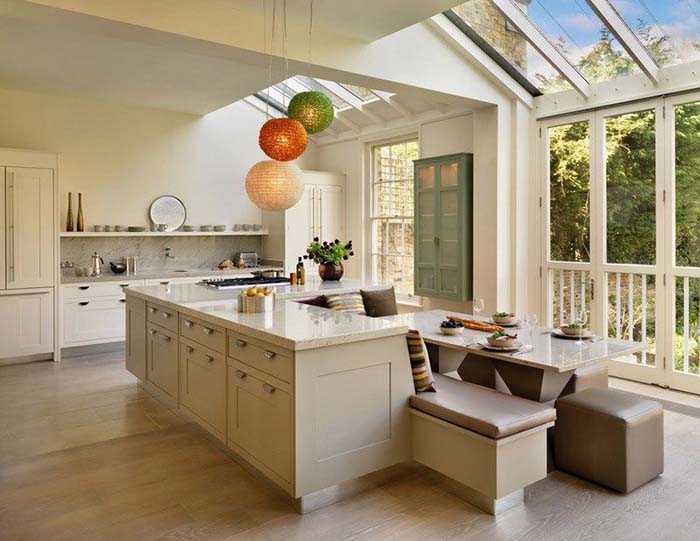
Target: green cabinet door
(443, 216)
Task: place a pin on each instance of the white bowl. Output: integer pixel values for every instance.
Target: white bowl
(452, 331)
(573, 332)
(508, 320)
(503, 342)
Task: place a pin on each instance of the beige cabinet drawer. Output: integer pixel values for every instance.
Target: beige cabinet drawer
(89, 291)
(162, 357)
(165, 317)
(259, 418)
(93, 320)
(203, 384)
(211, 336)
(270, 359)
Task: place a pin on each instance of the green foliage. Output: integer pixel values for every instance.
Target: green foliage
(328, 252)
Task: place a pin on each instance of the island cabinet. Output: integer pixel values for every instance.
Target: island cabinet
(136, 337)
(162, 349)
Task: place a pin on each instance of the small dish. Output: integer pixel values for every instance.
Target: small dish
(246, 227)
(162, 227)
(452, 331)
(98, 228)
(136, 229)
(236, 227)
(502, 340)
(504, 319)
(559, 333)
(188, 228)
(120, 228)
(219, 228)
(257, 227)
(515, 346)
(109, 228)
(206, 228)
(575, 331)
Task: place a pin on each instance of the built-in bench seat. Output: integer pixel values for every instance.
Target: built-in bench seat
(492, 444)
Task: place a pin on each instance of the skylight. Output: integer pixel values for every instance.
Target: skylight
(365, 94)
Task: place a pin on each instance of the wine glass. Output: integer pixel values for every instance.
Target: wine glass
(582, 318)
(477, 306)
(531, 322)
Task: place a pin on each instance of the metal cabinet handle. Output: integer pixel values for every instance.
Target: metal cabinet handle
(166, 315)
(207, 330)
(164, 283)
(190, 349)
(188, 323)
(123, 285)
(210, 358)
(240, 374)
(269, 354)
(152, 331)
(269, 389)
(166, 338)
(122, 300)
(241, 343)
(152, 310)
(11, 225)
(84, 303)
(83, 288)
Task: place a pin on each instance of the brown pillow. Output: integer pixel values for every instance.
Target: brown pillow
(380, 302)
(319, 301)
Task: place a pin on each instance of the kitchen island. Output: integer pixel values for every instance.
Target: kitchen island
(308, 397)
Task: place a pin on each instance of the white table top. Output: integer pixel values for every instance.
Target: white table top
(549, 353)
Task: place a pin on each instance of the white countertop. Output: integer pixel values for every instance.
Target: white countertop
(290, 325)
(68, 276)
(549, 353)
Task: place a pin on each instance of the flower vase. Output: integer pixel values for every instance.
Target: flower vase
(330, 271)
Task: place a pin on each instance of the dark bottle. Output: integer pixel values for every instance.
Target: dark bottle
(301, 273)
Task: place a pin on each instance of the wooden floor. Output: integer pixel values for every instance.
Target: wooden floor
(84, 454)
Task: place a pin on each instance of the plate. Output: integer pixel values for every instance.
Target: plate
(561, 334)
(484, 344)
(168, 210)
(516, 323)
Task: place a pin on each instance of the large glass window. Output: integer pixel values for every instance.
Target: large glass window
(392, 215)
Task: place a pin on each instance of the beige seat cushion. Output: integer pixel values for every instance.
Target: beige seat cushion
(612, 403)
(594, 375)
(486, 411)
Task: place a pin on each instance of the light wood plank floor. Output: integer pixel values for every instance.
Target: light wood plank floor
(85, 454)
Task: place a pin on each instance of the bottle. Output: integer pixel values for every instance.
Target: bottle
(301, 273)
(69, 216)
(80, 226)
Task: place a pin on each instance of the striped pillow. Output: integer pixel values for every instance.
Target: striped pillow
(346, 302)
(420, 363)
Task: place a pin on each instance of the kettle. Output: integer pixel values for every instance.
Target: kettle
(96, 266)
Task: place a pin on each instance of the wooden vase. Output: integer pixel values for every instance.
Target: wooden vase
(80, 226)
(330, 271)
(69, 215)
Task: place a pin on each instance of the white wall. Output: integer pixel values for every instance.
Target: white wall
(122, 157)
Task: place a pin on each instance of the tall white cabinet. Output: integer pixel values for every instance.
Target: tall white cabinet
(27, 254)
(320, 213)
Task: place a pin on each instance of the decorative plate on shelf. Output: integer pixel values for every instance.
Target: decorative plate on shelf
(168, 210)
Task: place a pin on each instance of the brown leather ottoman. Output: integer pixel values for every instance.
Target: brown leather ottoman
(610, 437)
(595, 375)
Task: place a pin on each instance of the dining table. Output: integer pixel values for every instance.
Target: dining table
(539, 370)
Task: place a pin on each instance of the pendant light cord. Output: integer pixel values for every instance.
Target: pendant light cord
(311, 26)
(285, 75)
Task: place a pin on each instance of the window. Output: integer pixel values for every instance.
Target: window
(391, 215)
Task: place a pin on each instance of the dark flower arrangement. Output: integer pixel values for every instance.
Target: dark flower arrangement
(329, 252)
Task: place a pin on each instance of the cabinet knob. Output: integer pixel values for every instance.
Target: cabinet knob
(269, 354)
(241, 343)
(152, 331)
(240, 374)
(269, 389)
(207, 330)
(166, 338)
(188, 323)
(210, 358)
(152, 310)
(166, 315)
(122, 300)
(190, 349)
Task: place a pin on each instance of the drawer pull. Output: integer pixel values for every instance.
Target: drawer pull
(241, 343)
(269, 354)
(240, 374)
(84, 303)
(269, 389)
(122, 300)
(164, 283)
(210, 358)
(188, 323)
(152, 310)
(123, 285)
(190, 349)
(166, 315)
(83, 288)
(166, 338)
(152, 331)
(207, 330)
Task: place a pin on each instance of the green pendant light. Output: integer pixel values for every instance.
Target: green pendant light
(313, 109)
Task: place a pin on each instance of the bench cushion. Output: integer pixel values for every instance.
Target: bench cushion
(486, 411)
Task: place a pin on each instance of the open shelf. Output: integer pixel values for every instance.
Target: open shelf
(76, 234)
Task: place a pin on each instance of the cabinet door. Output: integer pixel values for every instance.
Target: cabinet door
(300, 227)
(27, 323)
(331, 214)
(93, 321)
(259, 418)
(203, 385)
(449, 211)
(2, 229)
(30, 227)
(426, 229)
(163, 359)
(136, 337)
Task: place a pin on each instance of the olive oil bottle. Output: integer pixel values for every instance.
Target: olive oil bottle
(301, 273)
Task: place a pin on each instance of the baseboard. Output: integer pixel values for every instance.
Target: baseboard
(96, 349)
(26, 359)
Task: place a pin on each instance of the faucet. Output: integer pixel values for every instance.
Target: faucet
(168, 255)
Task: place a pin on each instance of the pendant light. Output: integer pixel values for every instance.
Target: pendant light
(273, 185)
(312, 108)
(283, 139)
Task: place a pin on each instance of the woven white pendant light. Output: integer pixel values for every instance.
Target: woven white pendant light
(273, 185)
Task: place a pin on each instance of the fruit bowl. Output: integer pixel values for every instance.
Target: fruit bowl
(451, 328)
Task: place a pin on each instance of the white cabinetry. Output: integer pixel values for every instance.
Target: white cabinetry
(27, 322)
(319, 213)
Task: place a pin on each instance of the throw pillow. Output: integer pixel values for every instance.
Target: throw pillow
(319, 301)
(346, 302)
(423, 380)
(380, 302)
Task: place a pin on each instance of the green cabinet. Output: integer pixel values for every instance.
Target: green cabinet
(443, 226)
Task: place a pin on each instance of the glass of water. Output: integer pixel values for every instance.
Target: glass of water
(477, 306)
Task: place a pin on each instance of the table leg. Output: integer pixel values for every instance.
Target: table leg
(532, 383)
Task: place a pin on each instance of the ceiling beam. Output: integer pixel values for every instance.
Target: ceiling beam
(393, 102)
(347, 96)
(539, 41)
(346, 122)
(627, 38)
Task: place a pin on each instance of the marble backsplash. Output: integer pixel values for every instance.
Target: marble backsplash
(189, 252)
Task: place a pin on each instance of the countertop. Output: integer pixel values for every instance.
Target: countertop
(290, 325)
(68, 275)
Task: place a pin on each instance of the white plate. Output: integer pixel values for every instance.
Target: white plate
(583, 336)
(168, 210)
(516, 323)
(484, 344)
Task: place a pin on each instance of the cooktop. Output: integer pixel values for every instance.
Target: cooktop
(231, 283)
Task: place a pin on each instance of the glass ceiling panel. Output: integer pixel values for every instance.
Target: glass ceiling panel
(491, 26)
(365, 94)
(313, 84)
(573, 28)
(670, 29)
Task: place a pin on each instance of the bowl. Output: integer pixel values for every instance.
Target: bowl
(206, 227)
(573, 332)
(504, 320)
(188, 228)
(502, 342)
(136, 229)
(162, 227)
(219, 228)
(452, 331)
(117, 268)
(236, 227)
(120, 228)
(98, 228)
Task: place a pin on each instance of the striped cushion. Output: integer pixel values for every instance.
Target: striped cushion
(346, 302)
(420, 364)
